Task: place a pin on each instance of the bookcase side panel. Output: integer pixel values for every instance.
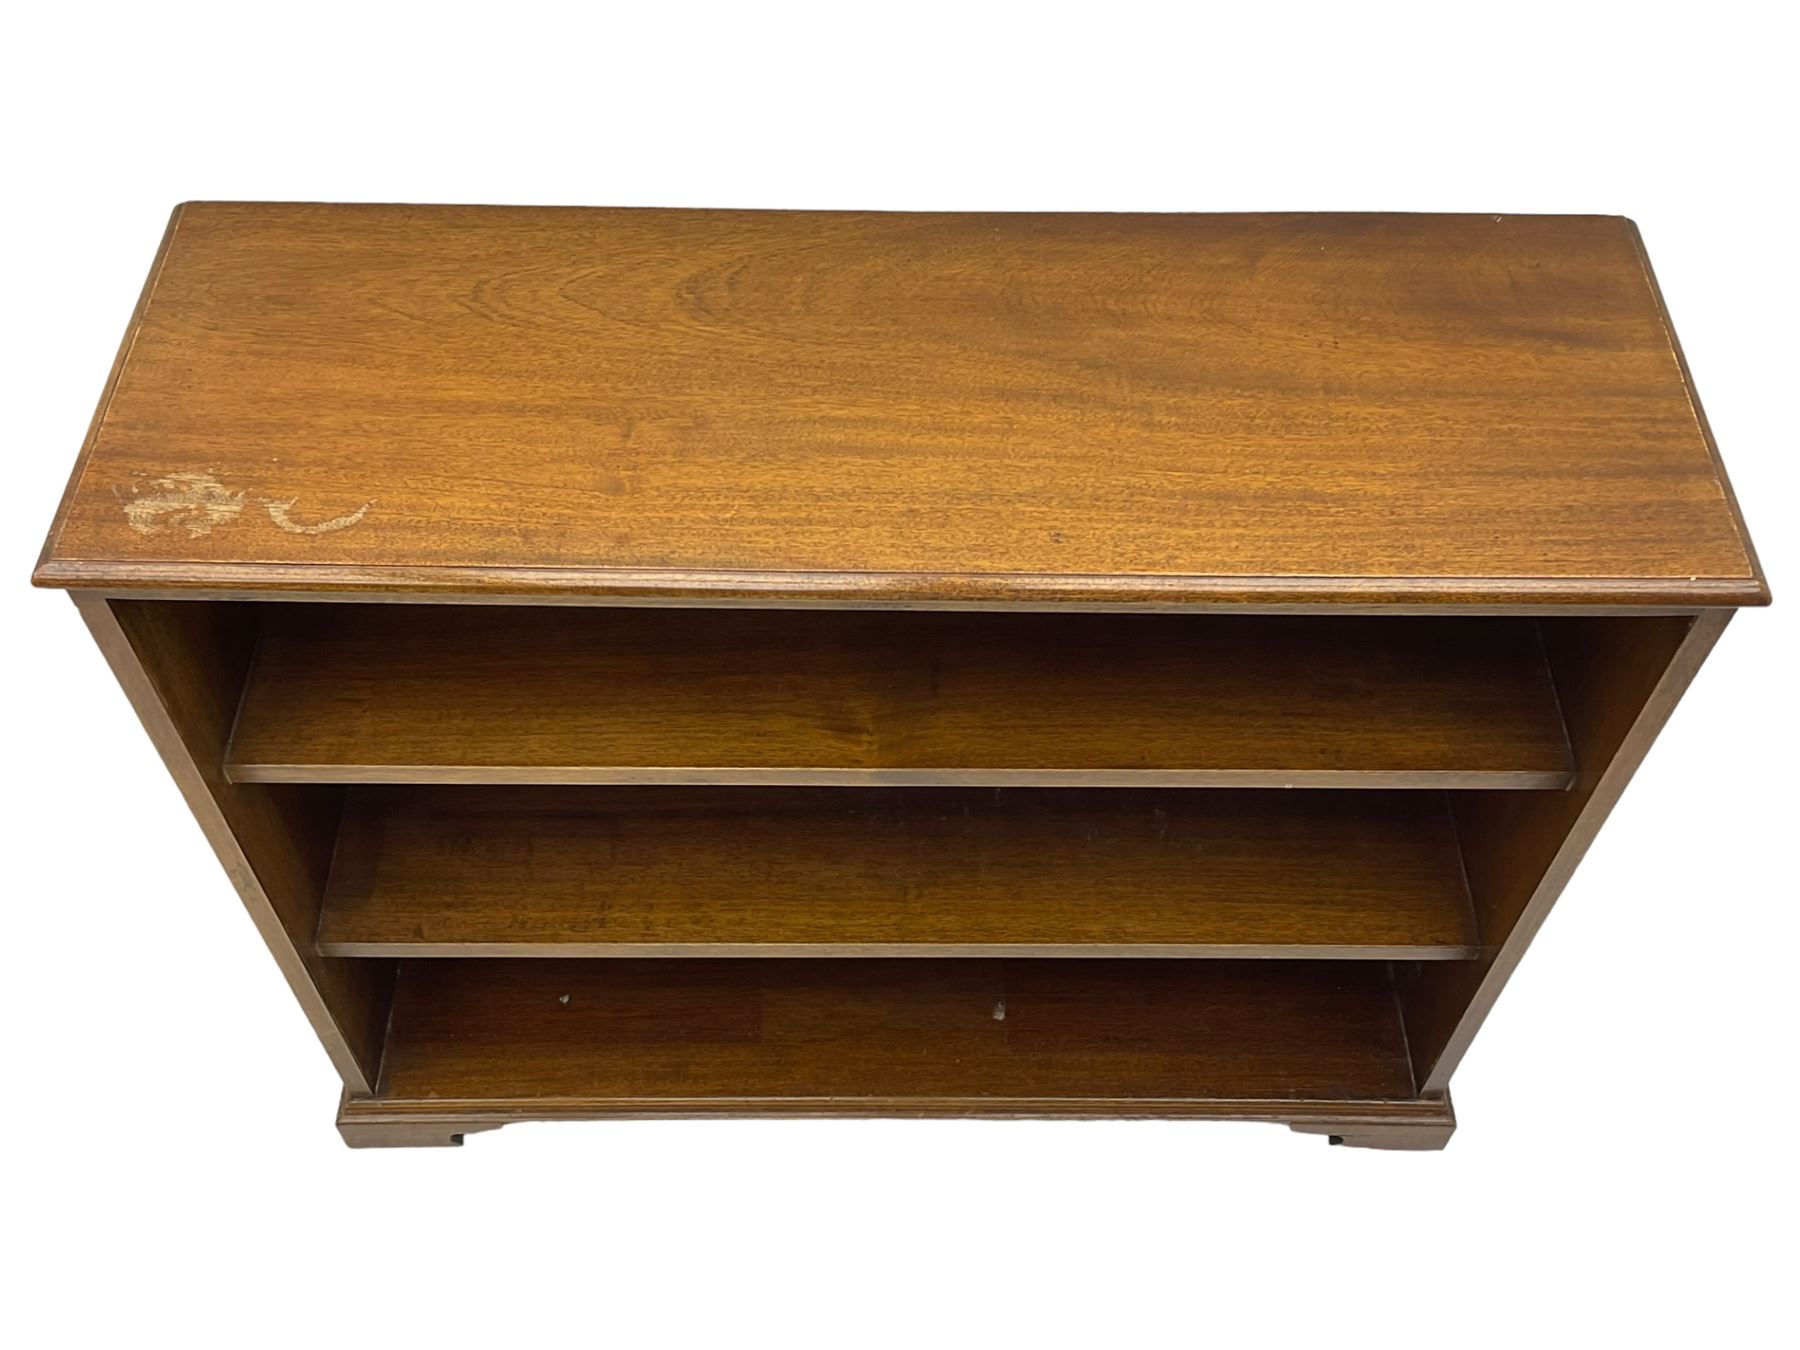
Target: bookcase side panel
(182, 665)
(1618, 681)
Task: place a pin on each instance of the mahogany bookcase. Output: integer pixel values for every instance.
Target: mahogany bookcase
(685, 663)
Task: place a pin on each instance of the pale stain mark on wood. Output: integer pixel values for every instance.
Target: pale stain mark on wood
(198, 502)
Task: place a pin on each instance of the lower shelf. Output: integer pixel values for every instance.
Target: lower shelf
(875, 1037)
(922, 872)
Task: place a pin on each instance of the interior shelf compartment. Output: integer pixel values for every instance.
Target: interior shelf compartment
(670, 871)
(496, 694)
(893, 1037)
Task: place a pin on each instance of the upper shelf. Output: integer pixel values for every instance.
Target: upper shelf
(928, 409)
(479, 694)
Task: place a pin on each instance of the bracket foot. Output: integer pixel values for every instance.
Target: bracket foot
(1430, 1130)
(367, 1129)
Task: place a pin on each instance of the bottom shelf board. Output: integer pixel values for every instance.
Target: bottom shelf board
(827, 872)
(882, 1037)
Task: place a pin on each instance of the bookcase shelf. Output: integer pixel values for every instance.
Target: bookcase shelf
(459, 694)
(473, 871)
(926, 1037)
(696, 663)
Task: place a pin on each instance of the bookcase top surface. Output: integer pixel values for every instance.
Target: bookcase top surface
(930, 408)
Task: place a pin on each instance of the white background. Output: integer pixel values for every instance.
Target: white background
(1625, 1169)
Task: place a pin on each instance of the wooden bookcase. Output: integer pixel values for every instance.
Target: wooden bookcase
(639, 663)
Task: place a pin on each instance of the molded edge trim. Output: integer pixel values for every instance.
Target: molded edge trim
(993, 590)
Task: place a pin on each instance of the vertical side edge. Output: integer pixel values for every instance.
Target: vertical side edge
(1619, 680)
(274, 842)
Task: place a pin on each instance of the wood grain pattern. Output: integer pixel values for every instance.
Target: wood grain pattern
(895, 1037)
(182, 666)
(374, 1122)
(1618, 680)
(733, 872)
(349, 693)
(905, 408)
(661, 453)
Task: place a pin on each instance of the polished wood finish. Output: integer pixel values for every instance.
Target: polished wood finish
(646, 663)
(1420, 1123)
(911, 407)
(960, 1037)
(182, 666)
(1619, 683)
(422, 694)
(362, 1127)
(561, 872)
(1426, 1127)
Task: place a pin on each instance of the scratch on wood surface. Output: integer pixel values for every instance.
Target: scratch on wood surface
(278, 512)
